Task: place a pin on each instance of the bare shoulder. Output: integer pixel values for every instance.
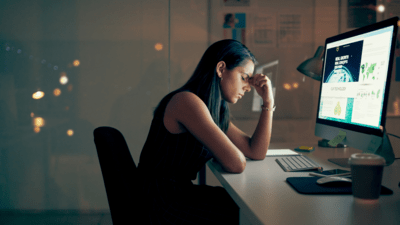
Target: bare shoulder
(185, 96)
(182, 108)
(184, 101)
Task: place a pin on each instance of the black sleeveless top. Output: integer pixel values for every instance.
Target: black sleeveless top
(175, 156)
(167, 165)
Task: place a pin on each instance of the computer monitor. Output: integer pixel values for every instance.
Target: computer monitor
(355, 83)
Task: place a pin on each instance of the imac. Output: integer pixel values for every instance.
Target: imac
(356, 74)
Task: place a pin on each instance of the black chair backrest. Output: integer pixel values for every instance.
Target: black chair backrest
(118, 170)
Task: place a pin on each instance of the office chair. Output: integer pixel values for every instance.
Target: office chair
(118, 170)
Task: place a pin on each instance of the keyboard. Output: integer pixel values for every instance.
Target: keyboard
(297, 163)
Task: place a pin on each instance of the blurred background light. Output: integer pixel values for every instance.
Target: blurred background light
(76, 63)
(287, 86)
(158, 46)
(63, 79)
(396, 106)
(57, 92)
(70, 132)
(381, 8)
(295, 85)
(38, 122)
(36, 129)
(38, 95)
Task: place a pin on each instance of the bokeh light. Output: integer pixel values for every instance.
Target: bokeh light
(396, 107)
(158, 46)
(70, 132)
(38, 122)
(76, 63)
(36, 129)
(295, 85)
(57, 92)
(287, 86)
(38, 95)
(63, 80)
(32, 114)
(381, 8)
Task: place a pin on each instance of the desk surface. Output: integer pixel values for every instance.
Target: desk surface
(265, 197)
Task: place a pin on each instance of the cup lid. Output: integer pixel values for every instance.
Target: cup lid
(366, 159)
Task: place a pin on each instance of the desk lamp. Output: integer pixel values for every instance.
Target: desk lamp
(313, 68)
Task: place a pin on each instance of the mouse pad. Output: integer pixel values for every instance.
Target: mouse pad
(308, 185)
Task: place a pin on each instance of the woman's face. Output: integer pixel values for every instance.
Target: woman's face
(235, 82)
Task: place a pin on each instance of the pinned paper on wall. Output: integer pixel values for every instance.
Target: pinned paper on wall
(335, 141)
(264, 30)
(234, 27)
(290, 30)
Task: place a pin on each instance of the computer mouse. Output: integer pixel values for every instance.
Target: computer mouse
(334, 181)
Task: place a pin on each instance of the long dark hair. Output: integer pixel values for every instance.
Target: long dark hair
(205, 82)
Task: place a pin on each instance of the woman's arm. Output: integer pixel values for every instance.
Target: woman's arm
(189, 110)
(256, 147)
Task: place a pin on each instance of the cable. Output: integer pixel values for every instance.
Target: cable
(393, 135)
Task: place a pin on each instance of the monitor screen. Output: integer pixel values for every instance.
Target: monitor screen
(355, 82)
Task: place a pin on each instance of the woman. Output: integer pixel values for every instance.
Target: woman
(191, 125)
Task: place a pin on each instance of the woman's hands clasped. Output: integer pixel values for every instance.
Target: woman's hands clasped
(263, 86)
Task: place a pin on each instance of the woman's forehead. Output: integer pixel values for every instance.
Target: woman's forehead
(248, 68)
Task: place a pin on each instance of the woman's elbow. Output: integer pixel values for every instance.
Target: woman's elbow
(257, 157)
(237, 168)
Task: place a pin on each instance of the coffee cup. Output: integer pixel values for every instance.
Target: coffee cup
(366, 175)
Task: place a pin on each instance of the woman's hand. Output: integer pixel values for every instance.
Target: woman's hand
(263, 86)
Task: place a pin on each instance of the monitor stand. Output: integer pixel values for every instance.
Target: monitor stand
(338, 161)
(343, 162)
(385, 150)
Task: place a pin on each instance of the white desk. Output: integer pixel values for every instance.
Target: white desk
(264, 196)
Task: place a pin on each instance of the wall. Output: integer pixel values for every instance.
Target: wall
(119, 80)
